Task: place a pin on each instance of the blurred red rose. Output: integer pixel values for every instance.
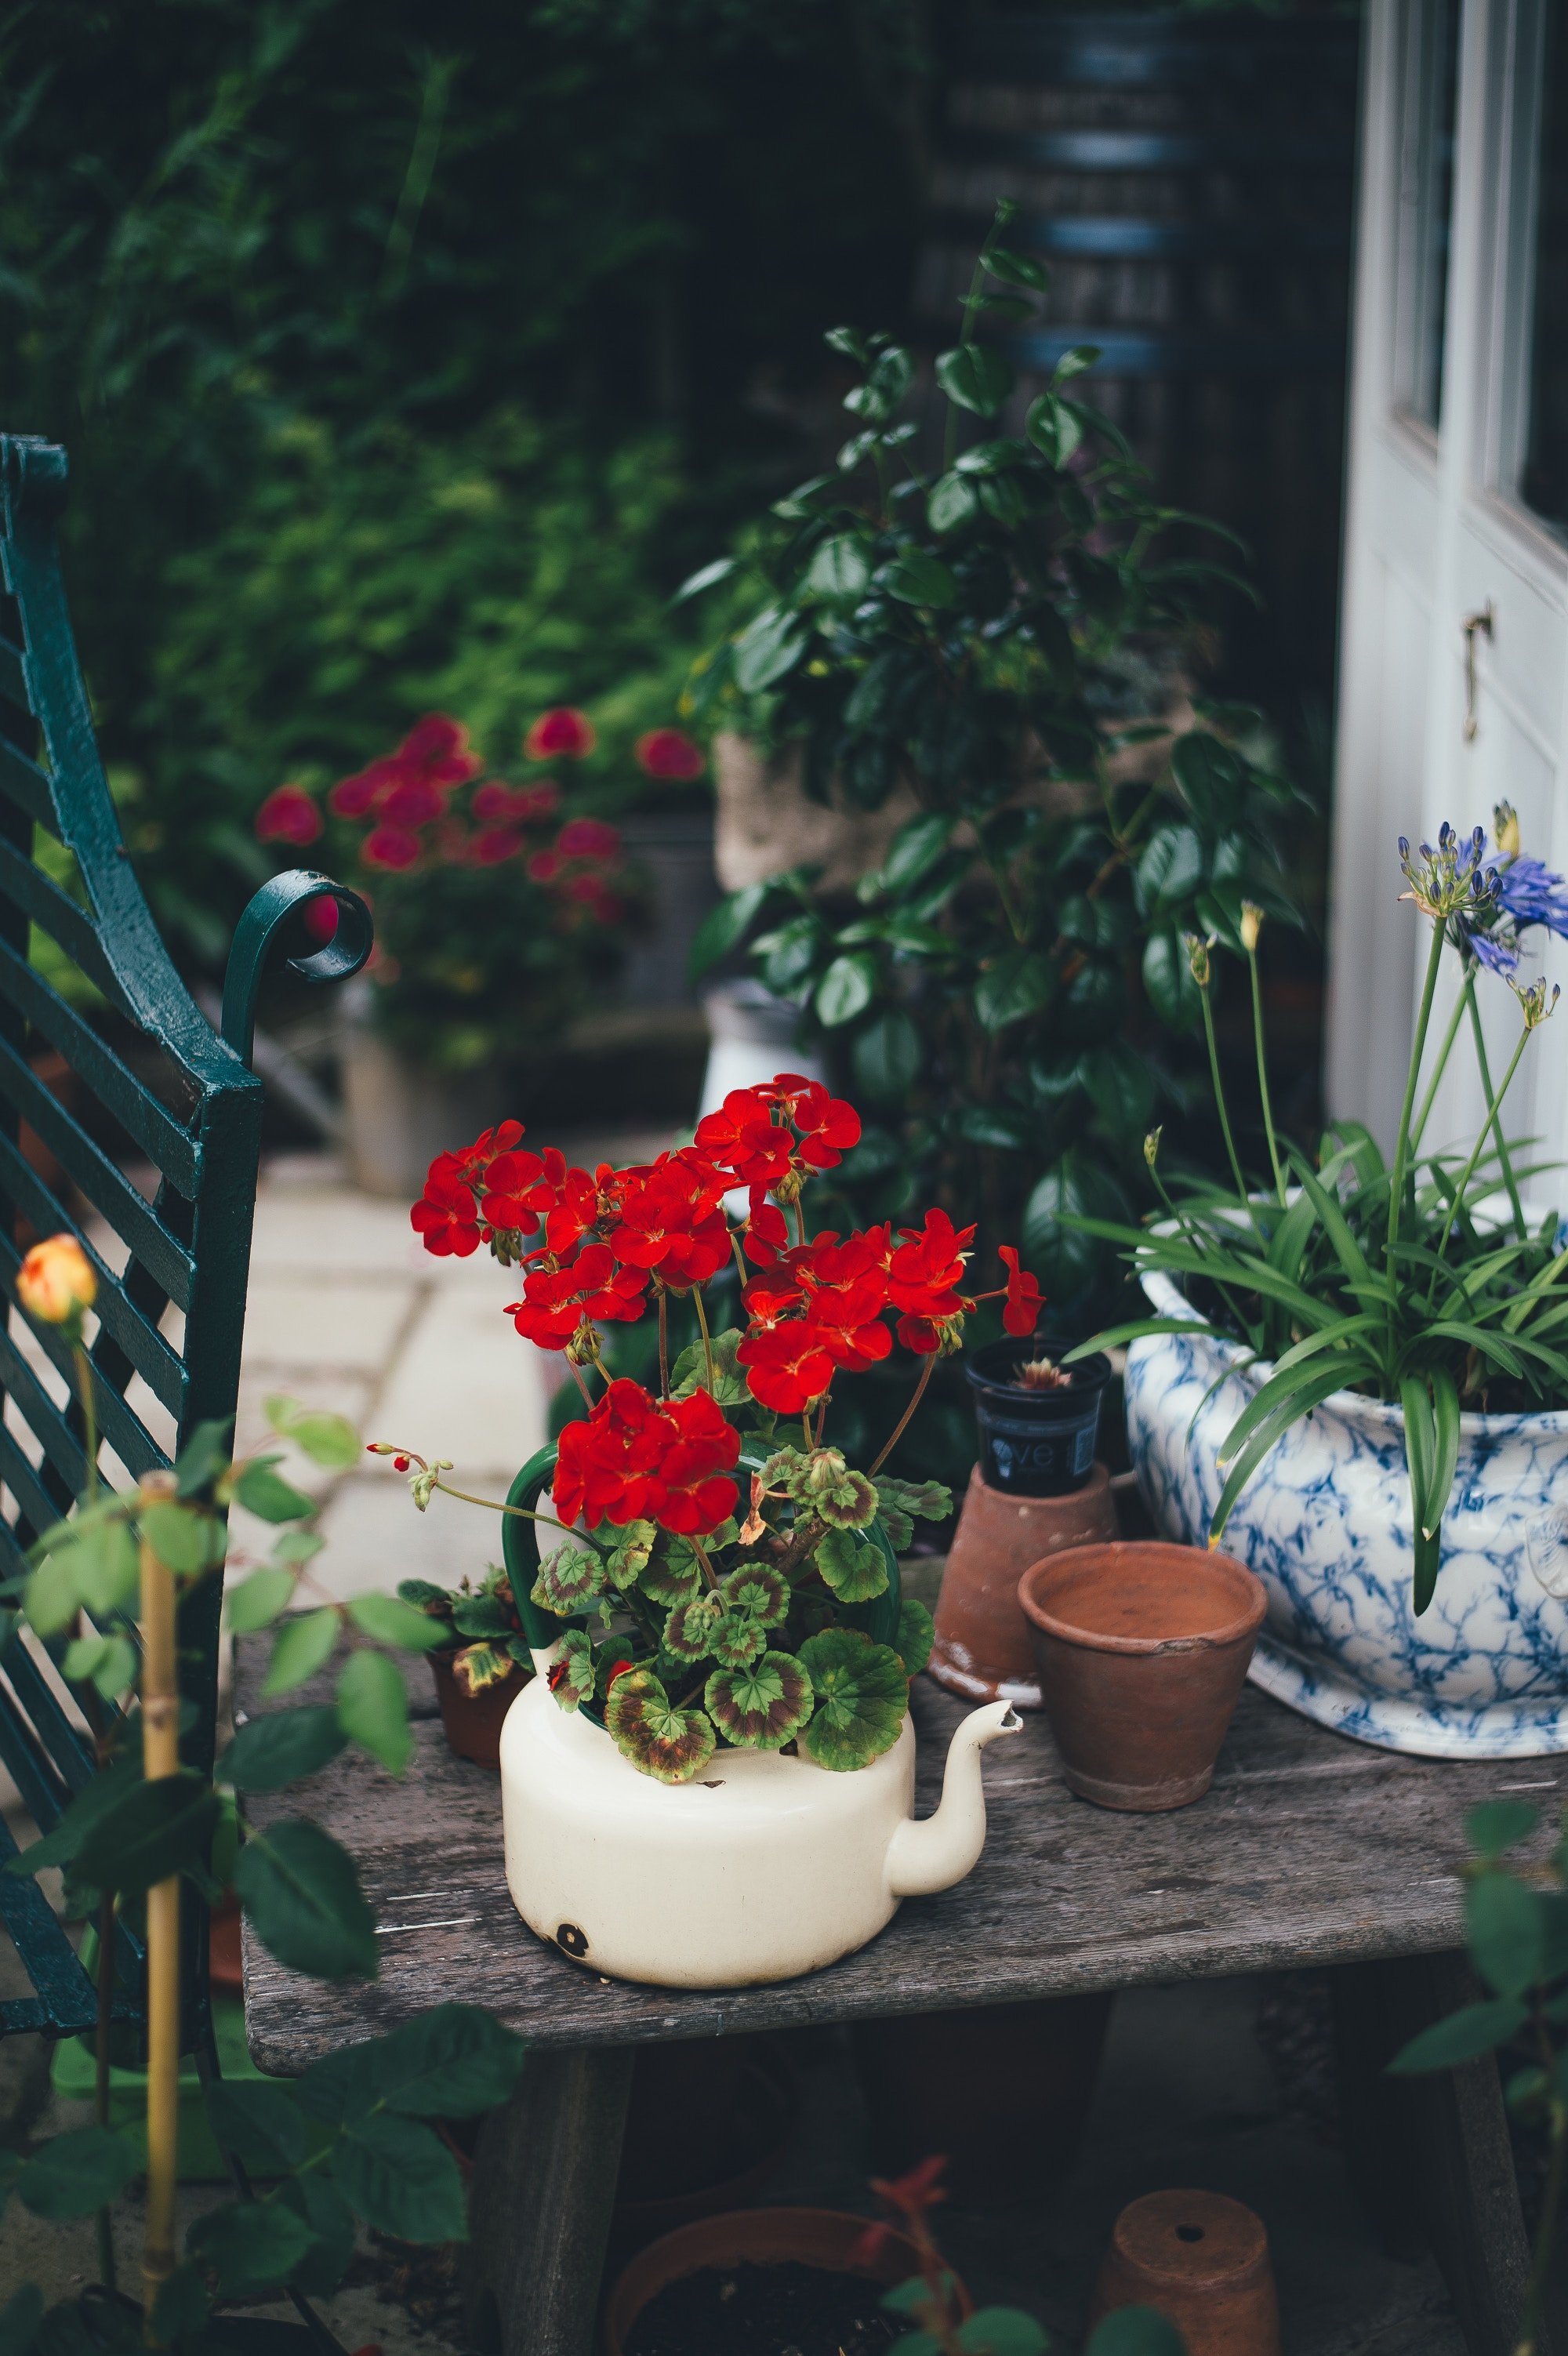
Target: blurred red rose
(670, 752)
(289, 816)
(565, 731)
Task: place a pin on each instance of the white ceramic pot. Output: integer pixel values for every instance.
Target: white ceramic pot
(764, 1867)
(1325, 1525)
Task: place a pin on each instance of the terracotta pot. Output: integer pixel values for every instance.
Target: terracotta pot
(1201, 2259)
(807, 2237)
(472, 1722)
(982, 1647)
(737, 2099)
(1143, 1650)
(1003, 2089)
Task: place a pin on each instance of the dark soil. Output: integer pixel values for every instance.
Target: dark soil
(782, 2311)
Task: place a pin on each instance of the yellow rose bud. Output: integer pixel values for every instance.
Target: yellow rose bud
(55, 1283)
(1251, 924)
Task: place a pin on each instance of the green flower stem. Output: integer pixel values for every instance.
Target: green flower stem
(496, 1506)
(707, 1341)
(1492, 1122)
(89, 1418)
(1484, 1068)
(977, 280)
(1418, 1045)
(1449, 1036)
(899, 1428)
(700, 1550)
(1244, 1197)
(1263, 1077)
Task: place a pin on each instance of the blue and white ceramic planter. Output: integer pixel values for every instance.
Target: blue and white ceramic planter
(1326, 1524)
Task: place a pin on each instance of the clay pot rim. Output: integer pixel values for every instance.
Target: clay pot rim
(1241, 1629)
(724, 2240)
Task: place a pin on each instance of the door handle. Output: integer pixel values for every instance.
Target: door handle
(1475, 626)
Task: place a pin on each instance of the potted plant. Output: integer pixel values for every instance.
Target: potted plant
(482, 1662)
(501, 907)
(710, 1782)
(988, 626)
(1357, 1373)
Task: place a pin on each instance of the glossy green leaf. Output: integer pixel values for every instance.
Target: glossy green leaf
(1013, 269)
(839, 570)
(952, 502)
(976, 377)
(916, 579)
(854, 1567)
(390, 1620)
(281, 1748)
(1475, 2029)
(453, 2061)
(845, 990)
(265, 1492)
(1169, 984)
(249, 2245)
(916, 849)
(303, 1644)
(861, 1696)
(1505, 1925)
(151, 1831)
(770, 647)
(302, 1894)
(372, 1708)
(399, 2177)
(1018, 982)
(707, 576)
(725, 927)
(888, 1055)
(204, 1457)
(184, 1539)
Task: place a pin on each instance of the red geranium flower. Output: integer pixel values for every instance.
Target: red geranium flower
(390, 846)
(446, 1216)
(558, 1303)
(436, 749)
(828, 1126)
(544, 867)
(563, 730)
(668, 753)
(1025, 1300)
(689, 1494)
(493, 845)
(588, 838)
(669, 1220)
(355, 796)
(289, 816)
(787, 1367)
(745, 1141)
(319, 917)
(928, 1266)
(414, 800)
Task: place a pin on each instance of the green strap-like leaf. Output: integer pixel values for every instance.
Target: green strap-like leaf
(1314, 1387)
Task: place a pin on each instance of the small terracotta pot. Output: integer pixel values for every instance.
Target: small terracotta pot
(982, 1647)
(1143, 1650)
(472, 1722)
(807, 2237)
(1003, 2089)
(1201, 2259)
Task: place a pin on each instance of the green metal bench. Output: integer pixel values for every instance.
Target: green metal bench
(149, 1082)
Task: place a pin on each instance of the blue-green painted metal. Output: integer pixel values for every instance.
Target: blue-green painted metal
(150, 1083)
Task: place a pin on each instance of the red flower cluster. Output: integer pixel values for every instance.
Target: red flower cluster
(668, 753)
(636, 1459)
(593, 1245)
(408, 803)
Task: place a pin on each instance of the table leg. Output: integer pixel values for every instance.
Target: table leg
(544, 2190)
(1432, 2154)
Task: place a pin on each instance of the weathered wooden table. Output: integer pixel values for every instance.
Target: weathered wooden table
(1308, 1850)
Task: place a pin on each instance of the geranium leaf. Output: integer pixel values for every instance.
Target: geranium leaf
(759, 1591)
(759, 1708)
(862, 1695)
(929, 1501)
(669, 1743)
(569, 1578)
(917, 1634)
(627, 1557)
(853, 1567)
(737, 1641)
(480, 1666)
(690, 1628)
(673, 1574)
(689, 1372)
(846, 1503)
(572, 1671)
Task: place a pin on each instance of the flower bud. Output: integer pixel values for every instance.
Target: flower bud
(55, 1283)
(1197, 950)
(1533, 1001)
(1252, 926)
(1505, 830)
(1151, 1145)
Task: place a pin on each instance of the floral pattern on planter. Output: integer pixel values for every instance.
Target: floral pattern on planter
(1325, 1525)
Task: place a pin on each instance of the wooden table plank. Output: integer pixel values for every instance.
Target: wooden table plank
(1309, 1849)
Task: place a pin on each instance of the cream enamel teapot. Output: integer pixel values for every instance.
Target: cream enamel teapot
(764, 1866)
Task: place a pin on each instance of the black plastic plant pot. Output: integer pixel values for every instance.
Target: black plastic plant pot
(1036, 1443)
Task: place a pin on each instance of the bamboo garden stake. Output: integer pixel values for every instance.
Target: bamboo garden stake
(160, 1756)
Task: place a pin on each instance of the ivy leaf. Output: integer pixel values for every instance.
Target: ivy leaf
(73, 2174)
(302, 1893)
(759, 1591)
(669, 1743)
(690, 1628)
(976, 377)
(855, 1568)
(917, 1634)
(861, 1696)
(572, 1672)
(568, 1579)
(372, 1708)
(760, 1706)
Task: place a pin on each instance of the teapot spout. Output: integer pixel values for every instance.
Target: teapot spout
(933, 1852)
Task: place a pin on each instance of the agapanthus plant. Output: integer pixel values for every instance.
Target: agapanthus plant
(1427, 1283)
(726, 1576)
